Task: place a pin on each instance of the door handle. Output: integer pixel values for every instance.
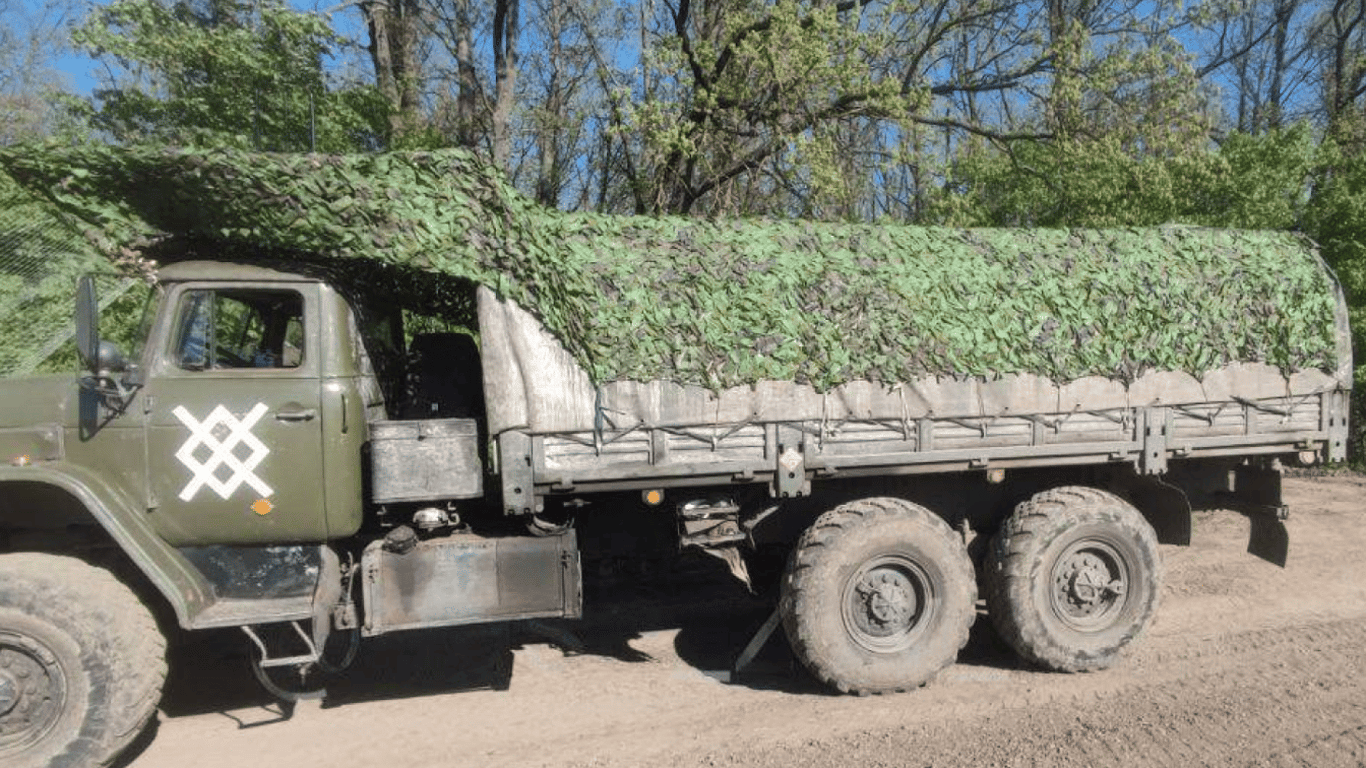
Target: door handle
(295, 412)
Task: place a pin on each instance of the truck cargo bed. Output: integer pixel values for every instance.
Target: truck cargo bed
(643, 456)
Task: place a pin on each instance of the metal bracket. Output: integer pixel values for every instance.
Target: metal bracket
(789, 472)
(715, 528)
(1155, 430)
(1257, 494)
(518, 474)
(1335, 410)
(1258, 488)
(710, 525)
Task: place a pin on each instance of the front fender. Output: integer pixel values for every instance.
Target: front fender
(178, 581)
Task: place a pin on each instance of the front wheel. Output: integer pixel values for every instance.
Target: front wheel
(1073, 578)
(878, 596)
(81, 663)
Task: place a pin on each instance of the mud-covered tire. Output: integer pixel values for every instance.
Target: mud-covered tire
(82, 663)
(878, 596)
(1073, 579)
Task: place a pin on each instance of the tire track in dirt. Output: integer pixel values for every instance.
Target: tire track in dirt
(1290, 696)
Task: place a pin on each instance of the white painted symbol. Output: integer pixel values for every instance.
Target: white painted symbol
(222, 452)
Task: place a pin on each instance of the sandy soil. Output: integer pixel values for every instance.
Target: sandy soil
(1247, 664)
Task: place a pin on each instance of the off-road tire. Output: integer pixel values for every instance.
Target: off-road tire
(1073, 578)
(82, 658)
(878, 596)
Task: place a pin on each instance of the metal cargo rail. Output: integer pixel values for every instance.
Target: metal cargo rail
(790, 454)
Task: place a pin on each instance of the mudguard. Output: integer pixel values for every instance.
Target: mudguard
(178, 581)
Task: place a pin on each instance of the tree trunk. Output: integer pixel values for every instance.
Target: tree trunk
(393, 45)
(1275, 107)
(505, 34)
(467, 78)
(548, 181)
(377, 23)
(1065, 35)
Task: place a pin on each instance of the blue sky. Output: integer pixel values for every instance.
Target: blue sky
(79, 71)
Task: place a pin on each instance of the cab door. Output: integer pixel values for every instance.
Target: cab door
(235, 416)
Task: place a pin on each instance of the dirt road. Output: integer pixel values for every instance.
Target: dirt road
(1247, 664)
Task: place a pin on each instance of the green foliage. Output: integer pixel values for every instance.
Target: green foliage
(232, 77)
(726, 303)
(1054, 184)
(1256, 182)
(123, 302)
(744, 85)
(1336, 217)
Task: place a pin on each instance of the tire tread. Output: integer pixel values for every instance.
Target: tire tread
(801, 584)
(100, 612)
(1008, 585)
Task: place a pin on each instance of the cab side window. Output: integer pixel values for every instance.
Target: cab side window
(241, 328)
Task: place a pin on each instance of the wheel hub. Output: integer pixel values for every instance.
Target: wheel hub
(1089, 582)
(1089, 585)
(9, 692)
(32, 690)
(886, 604)
(887, 597)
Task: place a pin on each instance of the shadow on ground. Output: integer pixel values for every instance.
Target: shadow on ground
(713, 615)
(210, 671)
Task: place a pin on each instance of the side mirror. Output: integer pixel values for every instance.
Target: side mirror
(88, 324)
(110, 358)
(102, 395)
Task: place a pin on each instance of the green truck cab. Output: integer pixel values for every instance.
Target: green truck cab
(278, 456)
(240, 395)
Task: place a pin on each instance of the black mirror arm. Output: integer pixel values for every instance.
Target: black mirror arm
(114, 394)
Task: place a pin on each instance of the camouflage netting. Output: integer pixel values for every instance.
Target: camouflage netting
(725, 303)
(40, 259)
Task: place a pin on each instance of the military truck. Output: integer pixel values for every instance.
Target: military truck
(281, 455)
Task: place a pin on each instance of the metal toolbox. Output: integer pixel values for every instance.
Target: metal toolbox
(425, 460)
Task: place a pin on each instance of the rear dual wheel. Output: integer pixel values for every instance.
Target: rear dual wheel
(1073, 579)
(879, 596)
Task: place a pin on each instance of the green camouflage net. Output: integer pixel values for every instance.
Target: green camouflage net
(723, 303)
(40, 259)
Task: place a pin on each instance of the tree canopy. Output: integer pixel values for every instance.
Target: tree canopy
(226, 74)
